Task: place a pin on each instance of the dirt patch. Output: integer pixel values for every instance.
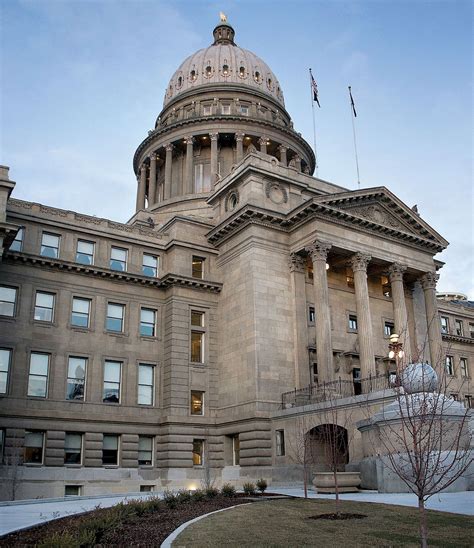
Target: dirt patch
(340, 516)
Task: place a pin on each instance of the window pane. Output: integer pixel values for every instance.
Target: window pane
(148, 315)
(197, 270)
(112, 371)
(119, 254)
(73, 441)
(115, 311)
(77, 368)
(110, 442)
(37, 386)
(4, 359)
(197, 403)
(81, 305)
(18, 241)
(196, 347)
(85, 247)
(75, 389)
(145, 395)
(145, 374)
(150, 260)
(145, 443)
(197, 318)
(44, 299)
(3, 385)
(50, 240)
(39, 364)
(111, 392)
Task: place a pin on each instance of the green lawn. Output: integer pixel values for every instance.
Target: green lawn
(286, 523)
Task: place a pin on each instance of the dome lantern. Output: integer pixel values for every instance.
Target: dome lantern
(223, 33)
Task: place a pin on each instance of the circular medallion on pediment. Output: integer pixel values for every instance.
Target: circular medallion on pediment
(276, 192)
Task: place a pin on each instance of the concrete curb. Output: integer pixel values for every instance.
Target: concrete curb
(170, 538)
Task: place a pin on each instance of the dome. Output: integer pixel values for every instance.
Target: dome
(419, 377)
(223, 62)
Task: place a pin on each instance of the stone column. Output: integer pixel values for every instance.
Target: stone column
(263, 144)
(300, 328)
(298, 162)
(239, 138)
(141, 188)
(359, 263)
(400, 315)
(319, 252)
(168, 171)
(428, 283)
(188, 185)
(283, 151)
(214, 157)
(152, 181)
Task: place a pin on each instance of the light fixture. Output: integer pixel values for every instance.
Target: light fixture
(400, 354)
(327, 266)
(391, 354)
(394, 338)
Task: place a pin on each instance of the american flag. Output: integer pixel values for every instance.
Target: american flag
(352, 103)
(314, 89)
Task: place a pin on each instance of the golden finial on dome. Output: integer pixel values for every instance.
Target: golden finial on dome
(223, 17)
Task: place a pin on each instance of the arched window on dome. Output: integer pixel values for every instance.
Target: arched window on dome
(225, 70)
(208, 71)
(269, 83)
(193, 75)
(257, 77)
(242, 71)
(179, 83)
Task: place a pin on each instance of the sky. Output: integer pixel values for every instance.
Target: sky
(82, 82)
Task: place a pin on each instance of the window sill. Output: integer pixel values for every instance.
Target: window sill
(33, 464)
(148, 338)
(8, 318)
(73, 465)
(119, 334)
(79, 329)
(40, 323)
(198, 364)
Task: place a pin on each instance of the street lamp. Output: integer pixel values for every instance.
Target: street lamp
(396, 349)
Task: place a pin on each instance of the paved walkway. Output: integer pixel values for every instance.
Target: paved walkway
(20, 515)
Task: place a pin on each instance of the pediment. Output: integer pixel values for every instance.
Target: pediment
(382, 208)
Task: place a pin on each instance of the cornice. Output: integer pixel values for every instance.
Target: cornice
(164, 282)
(163, 131)
(457, 338)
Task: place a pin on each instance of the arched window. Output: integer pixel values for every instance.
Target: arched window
(225, 70)
(193, 75)
(257, 77)
(242, 72)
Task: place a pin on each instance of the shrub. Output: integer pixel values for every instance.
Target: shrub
(249, 488)
(170, 498)
(211, 492)
(261, 485)
(228, 490)
(198, 495)
(183, 495)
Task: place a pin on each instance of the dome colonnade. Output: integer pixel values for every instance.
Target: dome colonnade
(222, 103)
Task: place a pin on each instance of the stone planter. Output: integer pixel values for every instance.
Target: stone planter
(347, 482)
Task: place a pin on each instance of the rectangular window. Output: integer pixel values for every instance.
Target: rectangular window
(72, 490)
(386, 287)
(197, 318)
(388, 328)
(146, 488)
(207, 110)
(197, 403)
(33, 448)
(72, 448)
(444, 324)
(76, 378)
(112, 377)
(197, 347)
(147, 322)
(244, 110)
(80, 313)
(145, 451)
(110, 450)
(469, 401)
(449, 365)
(44, 307)
(7, 301)
(225, 108)
(118, 259)
(455, 397)
(280, 443)
(236, 450)
(198, 452)
(311, 315)
(5, 358)
(17, 244)
(202, 178)
(471, 328)
(150, 265)
(50, 245)
(350, 280)
(458, 325)
(198, 267)
(463, 367)
(315, 373)
(85, 252)
(146, 391)
(38, 377)
(352, 322)
(115, 314)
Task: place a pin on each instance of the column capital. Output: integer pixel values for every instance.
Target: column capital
(282, 148)
(143, 168)
(360, 261)
(429, 280)
(190, 140)
(296, 262)
(169, 147)
(318, 250)
(263, 140)
(239, 135)
(214, 136)
(395, 272)
(153, 156)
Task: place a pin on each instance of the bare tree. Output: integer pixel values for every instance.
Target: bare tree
(300, 448)
(423, 435)
(11, 467)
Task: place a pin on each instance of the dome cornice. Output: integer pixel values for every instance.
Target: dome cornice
(243, 120)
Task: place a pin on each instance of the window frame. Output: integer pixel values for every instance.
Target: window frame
(89, 313)
(21, 231)
(449, 364)
(81, 448)
(144, 323)
(191, 405)
(42, 245)
(444, 328)
(199, 454)
(14, 302)
(68, 378)
(6, 373)
(198, 260)
(391, 325)
(352, 322)
(37, 306)
(464, 369)
(459, 327)
(122, 319)
(125, 262)
(153, 380)
(117, 460)
(151, 462)
(25, 447)
(119, 382)
(92, 255)
(30, 375)
(280, 443)
(154, 268)
(311, 315)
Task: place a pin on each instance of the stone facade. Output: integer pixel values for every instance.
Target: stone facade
(239, 278)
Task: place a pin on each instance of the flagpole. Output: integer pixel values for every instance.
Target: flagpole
(354, 135)
(314, 122)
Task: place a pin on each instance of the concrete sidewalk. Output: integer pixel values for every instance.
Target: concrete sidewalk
(23, 514)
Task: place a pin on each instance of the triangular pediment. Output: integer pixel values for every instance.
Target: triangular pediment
(381, 208)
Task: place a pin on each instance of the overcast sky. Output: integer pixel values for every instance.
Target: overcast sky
(83, 82)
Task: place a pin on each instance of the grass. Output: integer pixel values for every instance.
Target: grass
(286, 523)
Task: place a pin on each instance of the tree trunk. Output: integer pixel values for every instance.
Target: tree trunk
(336, 488)
(423, 523)
(305, 481)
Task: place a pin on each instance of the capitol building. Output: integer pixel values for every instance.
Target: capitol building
(194, 337)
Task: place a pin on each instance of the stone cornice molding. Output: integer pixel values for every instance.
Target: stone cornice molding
(457, 338)
(429, 280)
(395, 272)
(296, 263)
(360, 261)
(318, 250)
(127, 277)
